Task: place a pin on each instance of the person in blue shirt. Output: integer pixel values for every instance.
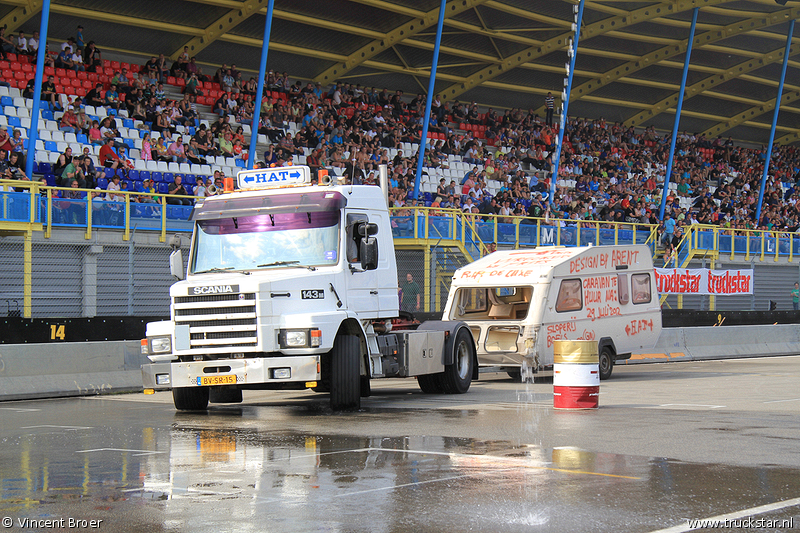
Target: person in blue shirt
(669, 229)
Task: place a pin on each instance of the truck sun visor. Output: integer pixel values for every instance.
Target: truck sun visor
(217, 207)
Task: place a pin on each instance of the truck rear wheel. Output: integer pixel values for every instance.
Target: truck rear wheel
(457, 377)
(345, 381)
(606, 362)
(190, 398)
(430, 383)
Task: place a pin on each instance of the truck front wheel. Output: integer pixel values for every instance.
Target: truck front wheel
(606, 363)
(190, 398)
(345, 381)
(457, 377)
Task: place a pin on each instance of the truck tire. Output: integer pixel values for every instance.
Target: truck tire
(430, 383)
(190, 398)
(366, 390)
(222, 395)
(515, 375)
(606, 362)
(345, 380)
(457, 377)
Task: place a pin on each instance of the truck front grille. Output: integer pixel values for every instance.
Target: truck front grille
(218, 320)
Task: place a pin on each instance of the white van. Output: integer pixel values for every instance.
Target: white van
(518, 302)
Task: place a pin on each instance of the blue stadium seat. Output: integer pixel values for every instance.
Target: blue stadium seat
(109, 173)
(102, 183)
(127, 184)
(189, 188)
(163, 188)
(191, 130)
(44, 104)
(51, 146)
(169, 177)
(82, 138)
(47, 114)
(240, 163)
(6, 100)
(134, 175)
(129, 143)
(127, 123)
(144, 174)
(112, 112)
(44, 168)
(50, 179)
(158, 177)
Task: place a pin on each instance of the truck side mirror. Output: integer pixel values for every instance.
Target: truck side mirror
(369, 252)
(176, 264)
(367, 229)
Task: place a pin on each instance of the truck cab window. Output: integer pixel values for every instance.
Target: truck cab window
(570, 296)
(641, 288)
(353, 238)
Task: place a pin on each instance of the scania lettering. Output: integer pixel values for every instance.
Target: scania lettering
(215, 289)
(294, 286)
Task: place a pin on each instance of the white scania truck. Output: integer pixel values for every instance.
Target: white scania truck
(294, 286)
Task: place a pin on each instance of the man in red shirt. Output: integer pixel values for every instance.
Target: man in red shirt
(107, 156)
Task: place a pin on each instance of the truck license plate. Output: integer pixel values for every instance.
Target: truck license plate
(223, 379)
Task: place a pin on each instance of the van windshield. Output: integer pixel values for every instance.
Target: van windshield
(492, 303)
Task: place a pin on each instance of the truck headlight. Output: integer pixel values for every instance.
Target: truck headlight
(160, 345)
(299, 338)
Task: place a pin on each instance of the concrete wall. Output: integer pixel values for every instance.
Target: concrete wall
(71, 369)
(89, 368)
(725, 342)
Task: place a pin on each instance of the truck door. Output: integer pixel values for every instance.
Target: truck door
(362, 286)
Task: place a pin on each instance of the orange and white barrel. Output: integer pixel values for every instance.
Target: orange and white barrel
(576, 375)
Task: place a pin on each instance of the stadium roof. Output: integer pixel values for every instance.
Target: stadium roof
(498, 53)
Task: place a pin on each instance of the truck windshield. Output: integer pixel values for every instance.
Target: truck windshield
(271, 240)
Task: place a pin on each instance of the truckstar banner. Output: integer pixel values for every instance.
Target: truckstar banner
(704, 281)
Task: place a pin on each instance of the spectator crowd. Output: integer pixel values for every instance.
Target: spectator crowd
(607, 173)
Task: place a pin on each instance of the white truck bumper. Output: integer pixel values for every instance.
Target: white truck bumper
(246, 371)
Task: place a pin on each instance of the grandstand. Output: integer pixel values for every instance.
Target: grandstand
(611, 173)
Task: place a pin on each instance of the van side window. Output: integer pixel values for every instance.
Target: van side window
(641, 288)
(471, 301)
(353, 239)
(570, 296)
(622, 289)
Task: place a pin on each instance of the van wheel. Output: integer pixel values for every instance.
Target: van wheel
(606, 363)
(457, 377)
(345, 381)
(190, 398)
(515, 375)
(430, 383)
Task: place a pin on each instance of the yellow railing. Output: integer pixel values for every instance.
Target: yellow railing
(50, 195)
(479, 229)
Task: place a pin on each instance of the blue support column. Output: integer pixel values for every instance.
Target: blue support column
(423, 142)
(262, 69)
(33, 131)
(686, 62)
(775, 120)
(562, 123)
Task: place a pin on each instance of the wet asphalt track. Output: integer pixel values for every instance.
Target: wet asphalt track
(670, 443)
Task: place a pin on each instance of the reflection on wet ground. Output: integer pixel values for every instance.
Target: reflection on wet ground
(141, 467)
